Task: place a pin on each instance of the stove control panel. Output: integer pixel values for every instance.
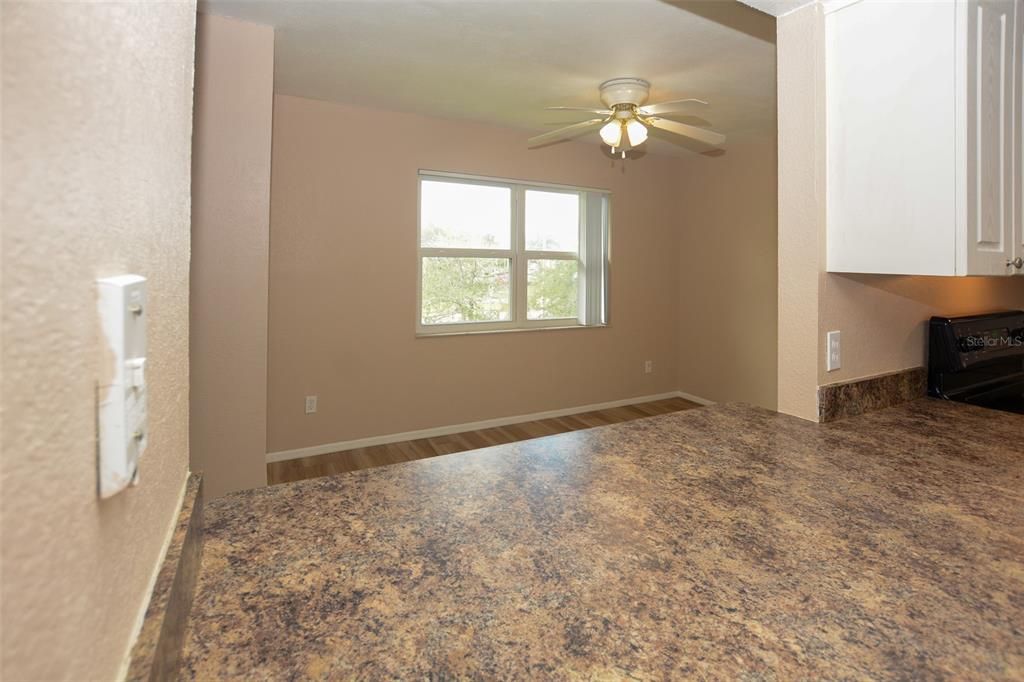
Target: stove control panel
(959, 343)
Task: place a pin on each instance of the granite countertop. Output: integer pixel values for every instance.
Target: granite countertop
(720, 542)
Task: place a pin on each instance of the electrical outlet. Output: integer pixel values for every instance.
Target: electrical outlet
(310, 404)
(833, 359)
(648, 366)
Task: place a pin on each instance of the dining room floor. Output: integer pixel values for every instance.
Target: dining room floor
(409, 450)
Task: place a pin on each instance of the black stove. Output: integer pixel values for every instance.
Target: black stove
(978, 359)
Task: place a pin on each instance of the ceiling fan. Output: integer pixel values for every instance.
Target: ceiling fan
(623, 125)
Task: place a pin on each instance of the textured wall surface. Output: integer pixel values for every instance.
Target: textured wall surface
(728, 307)
(97, 120)
(230, 249)
(343, 280)
(801, 197)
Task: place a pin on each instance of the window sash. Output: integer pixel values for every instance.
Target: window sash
(592, 258)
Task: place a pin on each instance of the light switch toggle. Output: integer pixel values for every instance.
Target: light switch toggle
(136, 373)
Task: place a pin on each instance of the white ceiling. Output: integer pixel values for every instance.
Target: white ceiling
(503, 61)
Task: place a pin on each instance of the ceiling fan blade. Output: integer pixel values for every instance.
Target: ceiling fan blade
(665, 107)
(701, 134)
(566, 132)
(605, 112)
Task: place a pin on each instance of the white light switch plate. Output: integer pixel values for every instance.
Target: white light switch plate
(833, 359)
(121, 387)
(311, 404)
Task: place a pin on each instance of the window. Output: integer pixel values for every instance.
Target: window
(497, 254)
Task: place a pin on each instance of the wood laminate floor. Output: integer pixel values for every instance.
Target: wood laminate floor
(405, 451)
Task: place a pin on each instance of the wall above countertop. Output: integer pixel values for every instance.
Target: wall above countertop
(97, 129)
(884, 318)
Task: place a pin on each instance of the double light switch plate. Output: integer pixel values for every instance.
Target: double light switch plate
(122, 384)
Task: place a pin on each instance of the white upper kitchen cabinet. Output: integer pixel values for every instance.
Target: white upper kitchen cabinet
(924, 108)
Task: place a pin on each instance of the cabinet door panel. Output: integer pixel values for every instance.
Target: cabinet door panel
(991, 30)
(891, 152)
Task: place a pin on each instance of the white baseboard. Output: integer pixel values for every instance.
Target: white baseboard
(328, 448)
(694, 398)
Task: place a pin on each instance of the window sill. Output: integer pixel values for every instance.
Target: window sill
(512, 330)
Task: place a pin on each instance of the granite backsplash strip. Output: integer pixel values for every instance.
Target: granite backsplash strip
(157, 653)
(851, 398)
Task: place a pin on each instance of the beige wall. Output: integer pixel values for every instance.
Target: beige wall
(343, 280)
(96, 146)
(883, 319)
(727, 275)
(801, 209)
(230, 251)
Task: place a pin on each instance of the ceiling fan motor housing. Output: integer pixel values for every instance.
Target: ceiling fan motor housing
(628, 91)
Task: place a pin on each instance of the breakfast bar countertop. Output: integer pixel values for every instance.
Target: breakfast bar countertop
(725, 541)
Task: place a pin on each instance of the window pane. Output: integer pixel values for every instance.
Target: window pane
(551, 289)
(552, 221)
(456, 215)
(465, 290)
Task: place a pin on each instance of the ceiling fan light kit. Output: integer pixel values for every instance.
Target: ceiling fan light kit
(611, 133)
(636, 132)
(628, 116)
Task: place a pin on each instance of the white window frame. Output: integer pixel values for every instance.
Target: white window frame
(592, 258)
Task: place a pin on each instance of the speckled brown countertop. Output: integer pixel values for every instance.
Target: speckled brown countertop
(723, 542)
